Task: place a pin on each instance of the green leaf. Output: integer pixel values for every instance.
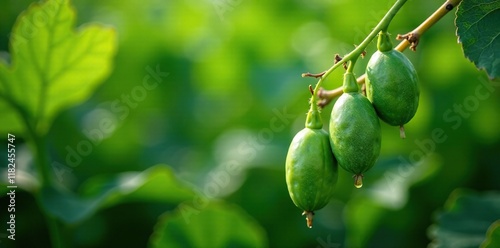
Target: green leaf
(465, 219)
(53, 66)
(479, 32)
(492, 236)
(216, 225)
(157, 184)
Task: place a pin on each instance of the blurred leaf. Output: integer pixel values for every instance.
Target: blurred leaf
(158, 183)
(492, 236)
(53, 67)
(362, 217)
(67, 206)
(479, 32)
(216, 225)
(391, 192)
(155, 184)
(465, 219)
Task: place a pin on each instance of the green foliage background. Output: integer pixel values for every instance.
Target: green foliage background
(234, 70)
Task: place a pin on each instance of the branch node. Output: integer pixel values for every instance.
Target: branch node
(337, 59)
(363, 53)
(412, 37)
(324, 99)
(323, 102)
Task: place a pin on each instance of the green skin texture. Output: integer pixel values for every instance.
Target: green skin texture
(355, 133)
(391, 86)
(311, 169)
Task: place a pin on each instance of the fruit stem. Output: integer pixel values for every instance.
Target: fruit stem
(354, 54)
(349, 83)
(309, 218)
(327, 96)
(313, 119)
(350, 68)
(384, 43)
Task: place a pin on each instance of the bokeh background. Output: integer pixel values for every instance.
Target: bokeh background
(234, 97)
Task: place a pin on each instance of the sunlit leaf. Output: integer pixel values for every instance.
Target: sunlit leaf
(53, 66)
(216, 225)
(479, 32)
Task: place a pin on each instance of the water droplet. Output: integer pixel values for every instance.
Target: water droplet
(358, 181)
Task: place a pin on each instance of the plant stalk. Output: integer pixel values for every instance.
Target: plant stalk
(43, 168)
(383, 24)
(44, 177)
(444, 9)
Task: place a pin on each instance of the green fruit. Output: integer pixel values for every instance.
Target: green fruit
(354, 131)
(311, 169)
(392, 84)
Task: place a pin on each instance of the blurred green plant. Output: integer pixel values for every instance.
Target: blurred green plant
(227, 76)
(218, 225)
(49, 72)
(468, 220)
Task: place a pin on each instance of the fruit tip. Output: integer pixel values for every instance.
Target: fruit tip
(358, 181)
(309, 218)
(402, 133)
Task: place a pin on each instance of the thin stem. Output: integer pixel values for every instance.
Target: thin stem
(45, 178)
(383, 24)
(328, 95)
(351, 65)
(42, 163)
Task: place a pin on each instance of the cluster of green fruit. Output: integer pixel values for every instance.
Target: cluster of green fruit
(354, 137)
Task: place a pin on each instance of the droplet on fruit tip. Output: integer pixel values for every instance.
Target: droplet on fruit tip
(402, 132)
(358, 181)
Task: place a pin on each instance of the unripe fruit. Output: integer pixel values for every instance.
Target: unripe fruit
(354, 131)
(392, 84)
(311, 169)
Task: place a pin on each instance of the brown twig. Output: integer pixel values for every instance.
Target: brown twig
(314, 75)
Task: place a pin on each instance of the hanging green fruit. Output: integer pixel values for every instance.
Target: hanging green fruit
(311, 169)
(354, 131)
(392, 84)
